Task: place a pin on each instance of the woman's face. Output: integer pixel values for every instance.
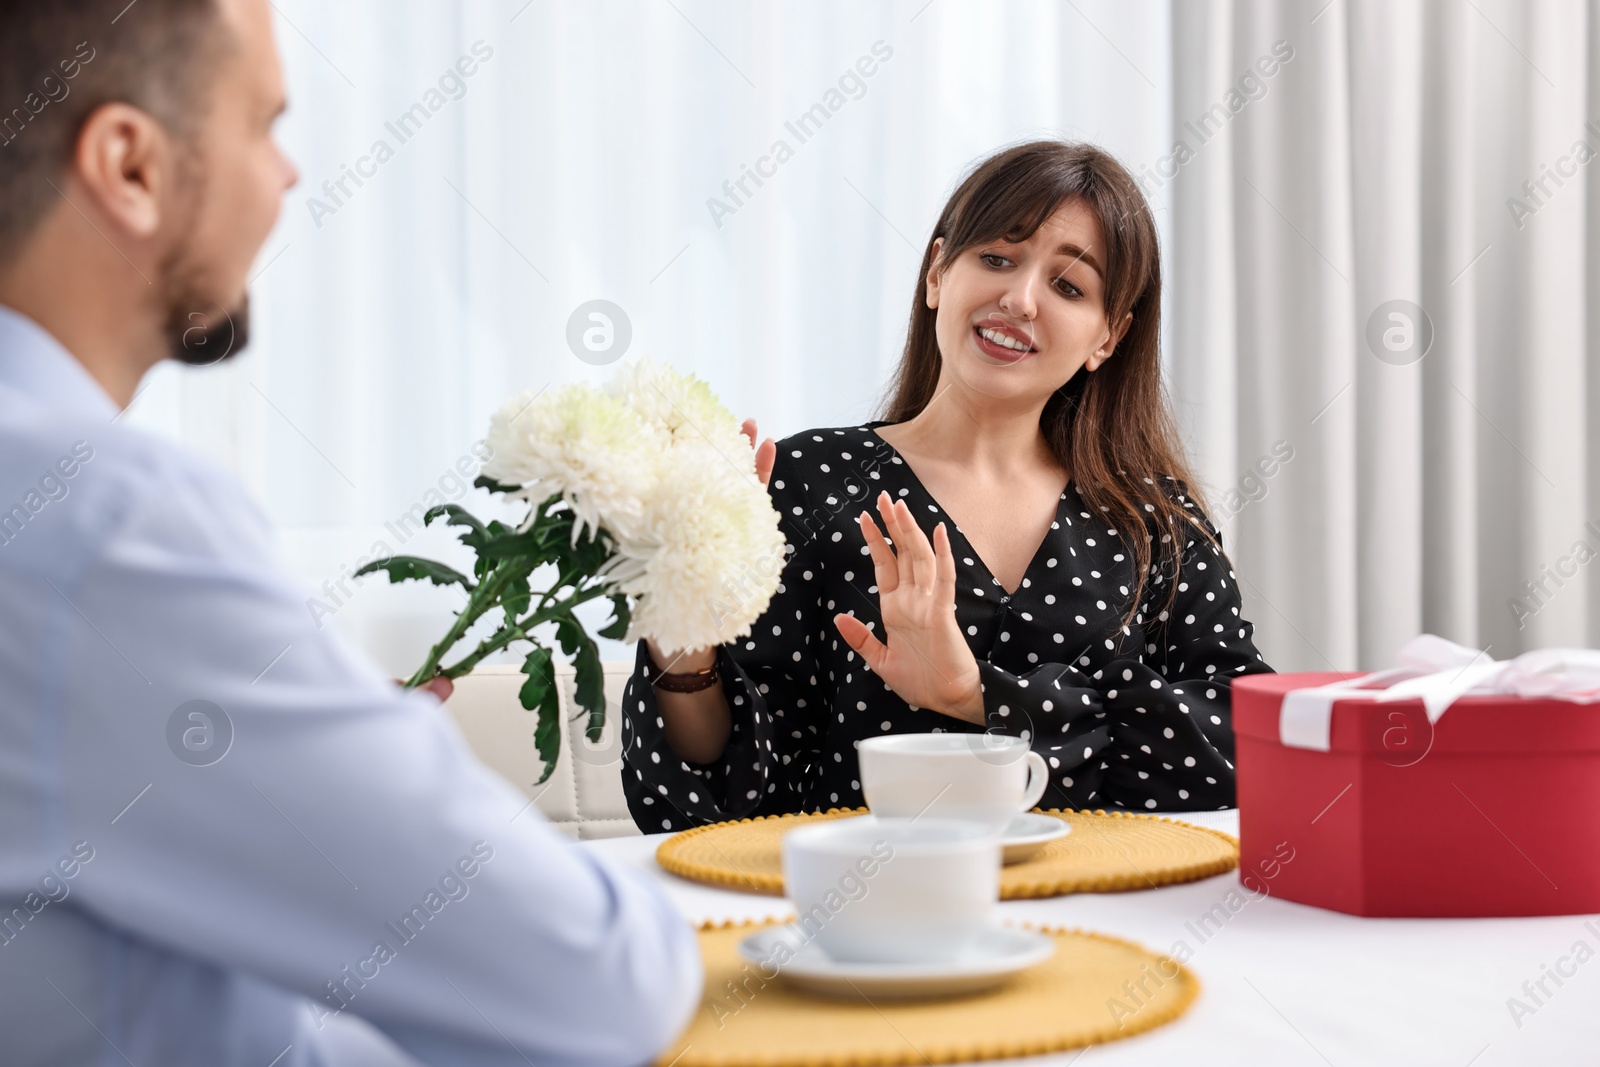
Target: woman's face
(1016, 320)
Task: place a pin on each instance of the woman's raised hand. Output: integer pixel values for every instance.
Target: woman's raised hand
(766, 452)
(924, 658)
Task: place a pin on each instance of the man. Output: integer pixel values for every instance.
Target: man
(223, 836)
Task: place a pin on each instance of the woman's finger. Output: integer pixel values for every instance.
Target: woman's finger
(859, 638)
(895, 525)
(884, 568)
(945, 563)
(766, 456)
(766, 452)
(917, 547)
(886, 510)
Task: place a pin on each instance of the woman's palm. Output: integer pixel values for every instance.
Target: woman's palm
(923, 656)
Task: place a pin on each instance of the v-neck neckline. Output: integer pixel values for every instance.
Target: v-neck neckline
(979, 562)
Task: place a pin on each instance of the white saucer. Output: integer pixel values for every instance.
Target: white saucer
(1028, 833)
(998, 953)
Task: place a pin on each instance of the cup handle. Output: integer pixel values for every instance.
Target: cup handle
(1038, 779)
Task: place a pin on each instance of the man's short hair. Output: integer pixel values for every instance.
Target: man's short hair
(62, 59)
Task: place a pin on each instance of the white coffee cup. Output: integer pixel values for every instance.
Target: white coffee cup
(987, 778)
(874, 890)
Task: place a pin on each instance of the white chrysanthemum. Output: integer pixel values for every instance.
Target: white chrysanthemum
(585, 444)
(684, 409)
(712, 563)
(658, 462)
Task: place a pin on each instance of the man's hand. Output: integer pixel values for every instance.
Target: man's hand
(926, 660)
(440, 687)
(766, 452)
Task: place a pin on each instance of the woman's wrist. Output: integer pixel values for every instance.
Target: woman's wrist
(969, 708)
(687, 661)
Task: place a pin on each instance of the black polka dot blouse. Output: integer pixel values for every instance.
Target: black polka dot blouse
(1126, 717)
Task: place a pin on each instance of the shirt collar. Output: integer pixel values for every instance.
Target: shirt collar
(35, 363)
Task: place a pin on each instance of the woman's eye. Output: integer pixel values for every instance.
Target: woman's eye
(992, 260)
(1067, 288)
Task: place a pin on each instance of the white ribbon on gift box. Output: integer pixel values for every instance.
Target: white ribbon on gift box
(1440, 671)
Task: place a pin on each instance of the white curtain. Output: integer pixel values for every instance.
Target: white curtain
(1335, 183)
(1433, 154)
(575, 162)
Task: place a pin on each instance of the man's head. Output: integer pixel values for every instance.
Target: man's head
(137, 165)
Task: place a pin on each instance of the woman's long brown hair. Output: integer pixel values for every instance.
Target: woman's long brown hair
(1112, 428)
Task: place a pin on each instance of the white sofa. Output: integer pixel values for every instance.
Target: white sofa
(584, 796)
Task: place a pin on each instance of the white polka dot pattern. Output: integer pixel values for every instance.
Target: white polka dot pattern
(1135, 717)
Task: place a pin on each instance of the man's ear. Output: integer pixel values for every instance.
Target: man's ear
(1114, 338)
(933, 273)
(124, 164)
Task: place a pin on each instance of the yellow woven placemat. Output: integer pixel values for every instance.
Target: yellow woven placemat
(1081, 995)
(1106, 852)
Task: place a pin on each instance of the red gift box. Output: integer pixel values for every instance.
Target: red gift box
(1492, 810)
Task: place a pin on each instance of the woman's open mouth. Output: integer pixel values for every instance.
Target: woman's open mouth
(998, 344)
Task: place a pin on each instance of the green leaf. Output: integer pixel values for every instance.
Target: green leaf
(539, 694)
(513, 545)
(518, 595)
(457, 515)
(415, 568)
(544, 540)
(569, 634)
(621, 614)
(597, 724)
(536, 668)
(483, 481)
(590, 553)
(591, 690)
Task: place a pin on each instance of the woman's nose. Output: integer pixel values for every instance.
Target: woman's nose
(1019, 300)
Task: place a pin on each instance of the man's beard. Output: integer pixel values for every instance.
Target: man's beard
(201, 332)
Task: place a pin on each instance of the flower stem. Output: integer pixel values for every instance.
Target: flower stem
(518, 630)
(480, 600)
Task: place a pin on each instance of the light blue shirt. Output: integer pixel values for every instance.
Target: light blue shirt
(224, 834)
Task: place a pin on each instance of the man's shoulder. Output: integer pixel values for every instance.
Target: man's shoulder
(68, 484)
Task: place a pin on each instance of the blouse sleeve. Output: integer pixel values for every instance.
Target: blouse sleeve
(771, 679)
(1150, 734)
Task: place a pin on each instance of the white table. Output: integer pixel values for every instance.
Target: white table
(1287, 984)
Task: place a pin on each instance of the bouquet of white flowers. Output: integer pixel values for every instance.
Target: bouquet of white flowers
(644, 491)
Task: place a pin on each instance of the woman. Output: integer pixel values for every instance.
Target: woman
(1043, 568)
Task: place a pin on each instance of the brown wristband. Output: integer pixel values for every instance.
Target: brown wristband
(681, 682)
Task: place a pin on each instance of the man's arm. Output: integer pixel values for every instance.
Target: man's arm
(295, 816)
